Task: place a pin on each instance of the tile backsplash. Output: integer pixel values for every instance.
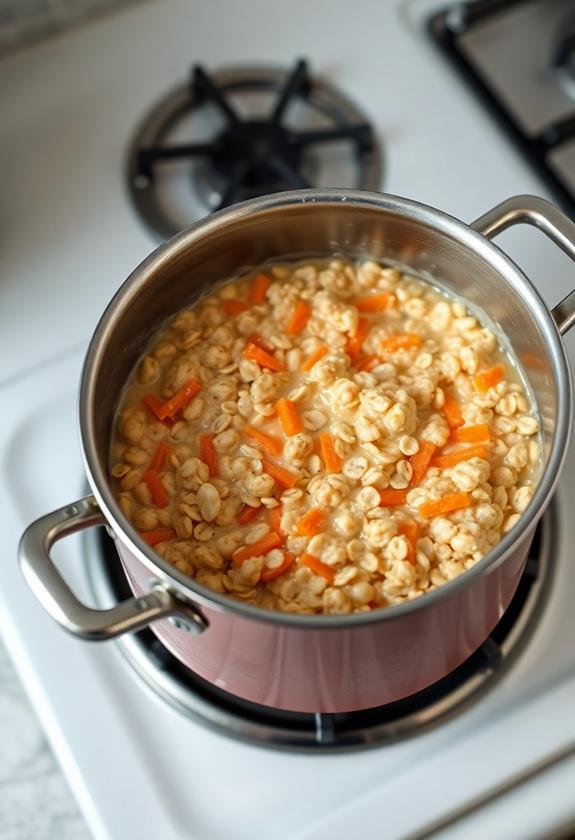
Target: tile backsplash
(25, 21)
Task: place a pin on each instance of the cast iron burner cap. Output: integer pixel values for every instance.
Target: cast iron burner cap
(269, 130)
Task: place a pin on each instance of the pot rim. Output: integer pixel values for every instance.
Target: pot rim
(189, 589)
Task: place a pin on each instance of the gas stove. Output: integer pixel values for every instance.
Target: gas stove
(147, 750)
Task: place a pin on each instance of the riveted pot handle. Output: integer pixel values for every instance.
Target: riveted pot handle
(532, 210)
(60, 602)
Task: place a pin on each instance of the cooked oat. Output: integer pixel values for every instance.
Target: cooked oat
(325, 437)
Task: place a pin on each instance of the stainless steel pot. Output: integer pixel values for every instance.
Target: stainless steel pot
(312, 663)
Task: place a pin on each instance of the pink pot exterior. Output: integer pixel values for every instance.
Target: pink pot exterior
(340, 669)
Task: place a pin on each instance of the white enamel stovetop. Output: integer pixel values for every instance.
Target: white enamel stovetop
(68, 239)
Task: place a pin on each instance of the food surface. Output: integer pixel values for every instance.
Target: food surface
(325, 437)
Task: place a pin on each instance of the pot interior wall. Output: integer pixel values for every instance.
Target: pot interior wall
(185, 268)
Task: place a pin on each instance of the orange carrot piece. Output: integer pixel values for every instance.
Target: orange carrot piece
(290, 421)
(471, 434)
(449, 503)
(330, 458)
(452, 411)
(259, 288)
(154, 406)
(311, 523)
(159, 457)
(255, 338)
(271, 444)
(276, 519)
(247, 514)
(400, 342)
(159, 495)
(354, 342)
(299, 318)
(368, 363)
(234, 307)
(420, 461)
(270, 574)
(267, 543)
(450, 459)
(208, 454)
(391, 497)
(158, 536)
(374, 303)
(180, 399)
(282, 477)
(486, 379)
(410, 530)
(315, 357)
(315, 564)
(262, 357)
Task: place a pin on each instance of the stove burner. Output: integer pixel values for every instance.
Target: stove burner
(522, 94)
(250, 155)
(198, 699)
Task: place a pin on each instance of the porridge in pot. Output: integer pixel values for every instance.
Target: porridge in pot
(325, 437)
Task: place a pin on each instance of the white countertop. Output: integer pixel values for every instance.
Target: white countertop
(35, 800)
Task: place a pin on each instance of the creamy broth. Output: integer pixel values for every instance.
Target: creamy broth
(325, 437)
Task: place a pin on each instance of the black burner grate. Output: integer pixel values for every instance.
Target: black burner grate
(252, 154)
(449, 27)
(231, 715)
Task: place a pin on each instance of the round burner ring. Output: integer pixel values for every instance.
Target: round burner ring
(199, 700)
(282, 147)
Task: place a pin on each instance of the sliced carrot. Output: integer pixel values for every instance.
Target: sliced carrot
(401, 342)
(290, 421)
(315, 564)
(450, 459)
(391, 497)
(368, 363)
(299, 318)
(255, 338)
(420, 461)
(282, 477)
(311, 523)
(452, 411)
(159, 457)
(374, 303)
(262, 357)
(158, 536)
(486, 379)
(449, 503)
(276, 519)
(410, 530)
(471, 434)
(247, 514)
(270, 574)
(271, 444)
(180, 399)
(330, 458)
(234, 307)
(354, 342)
(315, 357)
(259, 289)
(154, 406)
(156, 488)
(267, 543)
(208, 454)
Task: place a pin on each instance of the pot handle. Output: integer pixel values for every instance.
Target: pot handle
(532, 210)
(60, 602)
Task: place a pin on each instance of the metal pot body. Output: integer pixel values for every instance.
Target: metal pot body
(339, 669)
(313, 663)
